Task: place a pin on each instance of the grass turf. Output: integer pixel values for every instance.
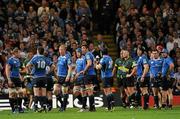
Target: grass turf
(101, 113)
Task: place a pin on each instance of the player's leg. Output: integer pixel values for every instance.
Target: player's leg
(107, 84)
(13, 95)
(126, 93)
(90, 89)
(19, 99)
(84, 96)
(131, 91)
(144, 90)
(49, 93)
(37, 93)
(164, 92)
(170, 94)
(121, 91)
(154, 85)
(58, 91)
(25, 97)
(156, 98)
(77, 92)
(12, 98)
(65, 89)
(43, 97)
(42, 84)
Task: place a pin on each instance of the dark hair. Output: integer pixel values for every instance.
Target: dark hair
(84, 45)
(142, 49)
(40, 50)
(105, 51)
(15, 50)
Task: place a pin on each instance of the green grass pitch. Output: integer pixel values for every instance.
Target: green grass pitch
(101, 113)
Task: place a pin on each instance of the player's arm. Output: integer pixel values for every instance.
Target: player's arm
(55, 73)
(145, 71)
(171, 66)
(134, 69)
(177, 82)
(7, 70)
(69, 72)
(89, 63)
(22, 79)
(114, 71)
(8, 67)
(98, 66)
(76, 74)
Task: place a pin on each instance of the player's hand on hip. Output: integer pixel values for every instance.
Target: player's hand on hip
(128, 75)
(142, 79)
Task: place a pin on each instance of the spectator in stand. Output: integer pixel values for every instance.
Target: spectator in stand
(43, 9)
(170, 43)
(177, 83)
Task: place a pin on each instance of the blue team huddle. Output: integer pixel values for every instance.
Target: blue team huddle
(134, 79)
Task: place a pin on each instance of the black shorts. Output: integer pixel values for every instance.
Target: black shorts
(167, 84)
(16, 81)
(61, 81)
(40, 82)
(145, 83)
(156, 82)
(79, 82)
(107, 82)
(50, 84)
(119, 82)
(89, 79)
(130, 82)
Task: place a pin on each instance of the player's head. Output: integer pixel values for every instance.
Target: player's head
(16, 52)
(105, 51)
(84, 48)
(140, 50)
(1, 45)
(30, 54)
(155, 54)
(62, 49)
(178, 69)
(40, 50)
(164, 53)
(78, 52)
(121, 53)
(125, 54)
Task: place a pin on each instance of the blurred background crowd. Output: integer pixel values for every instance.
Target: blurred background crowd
(26, 24)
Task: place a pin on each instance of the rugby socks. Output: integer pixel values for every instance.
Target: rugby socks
(36, 99)
(49, 103)
(43, 101)
(19, 102)
(26, 101)
(146, 101)
(138, 98)
(110, 101)
(163, 105)
(79, 97)
(65, 96)
(59, 98)
(91, 103)
(123, 101)
(12, 102)
(131, 99)
(156, 101)
(84, 101)
(170, 106)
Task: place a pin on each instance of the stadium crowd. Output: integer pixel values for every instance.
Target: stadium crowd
(147, 25)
